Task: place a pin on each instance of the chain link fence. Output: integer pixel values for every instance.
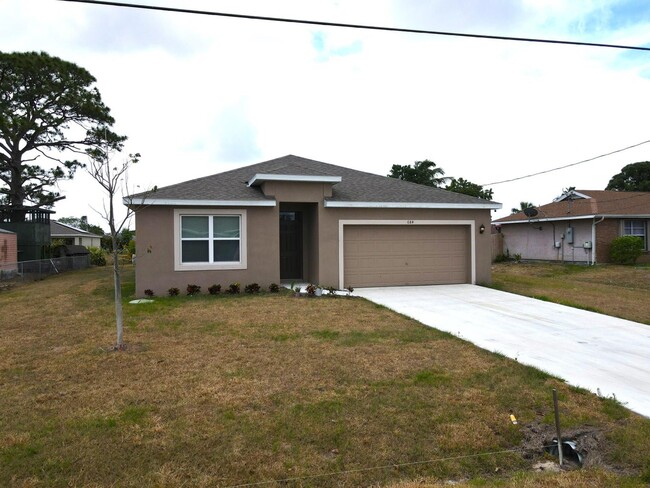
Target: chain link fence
(39, 269)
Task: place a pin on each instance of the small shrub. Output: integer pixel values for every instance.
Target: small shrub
(97, 256)
(332, 291)
(173, 292)
(148, 292)
(350, 290)
(234, 288)
(274, 288)
(252, 288)
(626, 249)
(311, 290)
(214, 289)
(193, 290)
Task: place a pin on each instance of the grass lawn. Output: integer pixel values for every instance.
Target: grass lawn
(229, 390)
(621, 291)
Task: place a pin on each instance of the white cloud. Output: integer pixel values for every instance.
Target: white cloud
(199, 95)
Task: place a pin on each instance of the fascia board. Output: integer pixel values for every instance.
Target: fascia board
(262, 177)
(340, 204)
(548, 219)
(198, 203)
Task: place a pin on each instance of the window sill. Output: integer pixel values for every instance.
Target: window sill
(208, 267)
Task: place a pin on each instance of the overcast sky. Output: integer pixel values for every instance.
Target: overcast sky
(199, 95)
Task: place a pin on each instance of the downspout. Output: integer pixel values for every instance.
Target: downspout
(593, 239)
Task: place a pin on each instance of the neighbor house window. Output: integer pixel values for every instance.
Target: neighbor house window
(636, 228)
(210, 239)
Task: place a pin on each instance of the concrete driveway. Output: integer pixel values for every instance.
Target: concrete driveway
(586, 349)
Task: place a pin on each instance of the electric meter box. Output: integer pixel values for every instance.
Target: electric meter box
(569, 235)
(587, 245)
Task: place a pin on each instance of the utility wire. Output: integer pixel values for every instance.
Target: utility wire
(566, 165)
(356, 26)
(386, 466)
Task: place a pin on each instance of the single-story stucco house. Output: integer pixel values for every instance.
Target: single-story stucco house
(578, 226)
(72, 236)
(296, 219)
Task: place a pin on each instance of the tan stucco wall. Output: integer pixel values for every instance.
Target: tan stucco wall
(155, 253)
(329, 234)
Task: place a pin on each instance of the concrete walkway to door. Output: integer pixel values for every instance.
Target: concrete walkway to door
(590, 350)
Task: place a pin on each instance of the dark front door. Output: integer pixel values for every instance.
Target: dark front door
(290, 245)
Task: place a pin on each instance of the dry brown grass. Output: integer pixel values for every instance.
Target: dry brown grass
(621, 291)
(217, 391)
(593, 478)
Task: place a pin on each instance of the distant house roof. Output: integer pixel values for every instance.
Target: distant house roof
(349, 188)
(587, 204)
(59, 230)
(4, 231)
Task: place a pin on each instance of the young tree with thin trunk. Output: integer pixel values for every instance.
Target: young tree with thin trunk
(113, 178)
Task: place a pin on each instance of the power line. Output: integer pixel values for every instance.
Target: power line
(566, 165)
(386, 466)
(357, 26)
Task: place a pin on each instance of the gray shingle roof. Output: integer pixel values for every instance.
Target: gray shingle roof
(58, 229)
(356, 186)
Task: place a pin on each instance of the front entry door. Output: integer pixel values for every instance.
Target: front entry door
(291, 245)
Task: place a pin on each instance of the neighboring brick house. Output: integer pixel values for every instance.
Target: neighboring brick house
(578, 226)
(8, 251)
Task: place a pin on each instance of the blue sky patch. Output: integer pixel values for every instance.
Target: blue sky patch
(618, 15)
(326, 50)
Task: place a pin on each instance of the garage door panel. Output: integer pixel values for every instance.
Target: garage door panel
(406, 255)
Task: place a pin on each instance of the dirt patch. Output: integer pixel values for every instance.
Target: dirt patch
(590, 442)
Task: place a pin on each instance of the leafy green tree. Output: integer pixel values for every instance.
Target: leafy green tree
(461, 185)
(49, 108)
(522, 206)
(422, 172)
(126, 236)
(633, 177)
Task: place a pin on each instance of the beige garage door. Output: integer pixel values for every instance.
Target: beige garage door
(385, 255)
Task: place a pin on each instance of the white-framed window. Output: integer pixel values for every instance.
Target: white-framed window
(636, 228)
(206, 239)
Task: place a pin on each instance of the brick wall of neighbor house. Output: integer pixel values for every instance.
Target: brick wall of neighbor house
(535, 241)
(606, 231)
(8, 250)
